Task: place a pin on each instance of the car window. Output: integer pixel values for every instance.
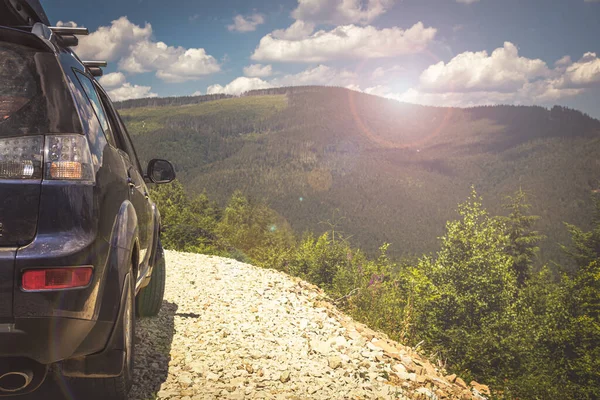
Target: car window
(123, 128)
(17, 80)
(33, 96)
(120, 134)
(91, 94)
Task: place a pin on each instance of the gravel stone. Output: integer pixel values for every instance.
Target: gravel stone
(234, 331)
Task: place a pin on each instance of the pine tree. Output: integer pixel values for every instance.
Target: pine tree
(523, 240)
(585, 247)
(473, 286)
(581, 335)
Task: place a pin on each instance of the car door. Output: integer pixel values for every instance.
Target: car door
(138, 192)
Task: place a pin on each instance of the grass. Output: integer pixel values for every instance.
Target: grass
(147, 119)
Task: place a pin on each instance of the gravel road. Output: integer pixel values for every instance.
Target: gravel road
(234, 331)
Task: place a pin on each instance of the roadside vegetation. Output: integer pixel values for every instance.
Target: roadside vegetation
(482, 303)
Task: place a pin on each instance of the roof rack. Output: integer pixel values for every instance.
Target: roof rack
(94, 67)
(68, 30)
(30, 15)
(67, 34)
(91, 64)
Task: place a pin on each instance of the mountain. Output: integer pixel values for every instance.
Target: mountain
(375, 169)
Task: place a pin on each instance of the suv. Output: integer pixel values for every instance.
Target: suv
(80, 253)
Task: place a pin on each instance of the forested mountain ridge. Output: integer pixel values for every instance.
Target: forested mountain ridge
(379, 170)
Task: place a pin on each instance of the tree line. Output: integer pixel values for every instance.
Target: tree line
(480, 303)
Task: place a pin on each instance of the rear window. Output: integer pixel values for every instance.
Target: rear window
(19, 90)
(33, 97)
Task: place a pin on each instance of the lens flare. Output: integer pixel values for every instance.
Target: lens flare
(373, 136)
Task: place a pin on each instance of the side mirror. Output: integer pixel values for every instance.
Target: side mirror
(160, 171)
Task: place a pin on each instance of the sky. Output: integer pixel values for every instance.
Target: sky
(435, 52)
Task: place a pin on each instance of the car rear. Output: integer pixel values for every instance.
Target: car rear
(53, 253)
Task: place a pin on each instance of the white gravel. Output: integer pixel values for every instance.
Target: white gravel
(232, 330)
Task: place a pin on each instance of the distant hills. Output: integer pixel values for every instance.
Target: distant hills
(376, 169)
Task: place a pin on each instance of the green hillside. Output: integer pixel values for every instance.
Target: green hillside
(381, 170)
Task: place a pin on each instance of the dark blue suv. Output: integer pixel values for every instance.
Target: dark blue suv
(80, 252)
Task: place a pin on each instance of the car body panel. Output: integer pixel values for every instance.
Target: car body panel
(105, 223)
(49, 110)
(31, 11)
(7, 265)
(19, 203)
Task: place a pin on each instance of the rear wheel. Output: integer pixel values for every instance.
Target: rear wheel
(118, 387)
(150, 298)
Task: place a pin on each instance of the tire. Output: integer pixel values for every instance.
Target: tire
(116, 388)
(150, 298)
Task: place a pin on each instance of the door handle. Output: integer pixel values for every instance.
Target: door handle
(130, 182)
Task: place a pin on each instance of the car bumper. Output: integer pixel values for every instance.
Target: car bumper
(49, 340)
(51, 326)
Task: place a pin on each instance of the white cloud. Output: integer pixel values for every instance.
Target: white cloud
(246, 24)
(258, 70)
(298, 30)
(320, 75)
(135, 51)
(502, 71)
(467, 1)
(190, 64)
(544, 91)
(539, 92)
(341, 11)
(348, 41)
(379, 90)
(565, 61)
(382, 73)
(469, 79)
(112, 42)
(503, 77)
(582, 74)
(172, 64)
(239, 86)
(69, 24)
(197, 93)
(112, 80)
(128, 91)
(452, 99)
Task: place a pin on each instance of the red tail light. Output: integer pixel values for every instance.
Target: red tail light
(56, 278)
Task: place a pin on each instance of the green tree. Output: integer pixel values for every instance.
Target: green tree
(523, 240)
(253, 229)
(319, 259)
(581, 347)
(187, 225)
(473, 285)
(577, 343)
(585, 246)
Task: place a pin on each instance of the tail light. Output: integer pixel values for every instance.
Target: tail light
(55, 157)
(57, 278)
(67, 157)
(21, 158)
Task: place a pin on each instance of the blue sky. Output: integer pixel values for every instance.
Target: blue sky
(439, 52)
